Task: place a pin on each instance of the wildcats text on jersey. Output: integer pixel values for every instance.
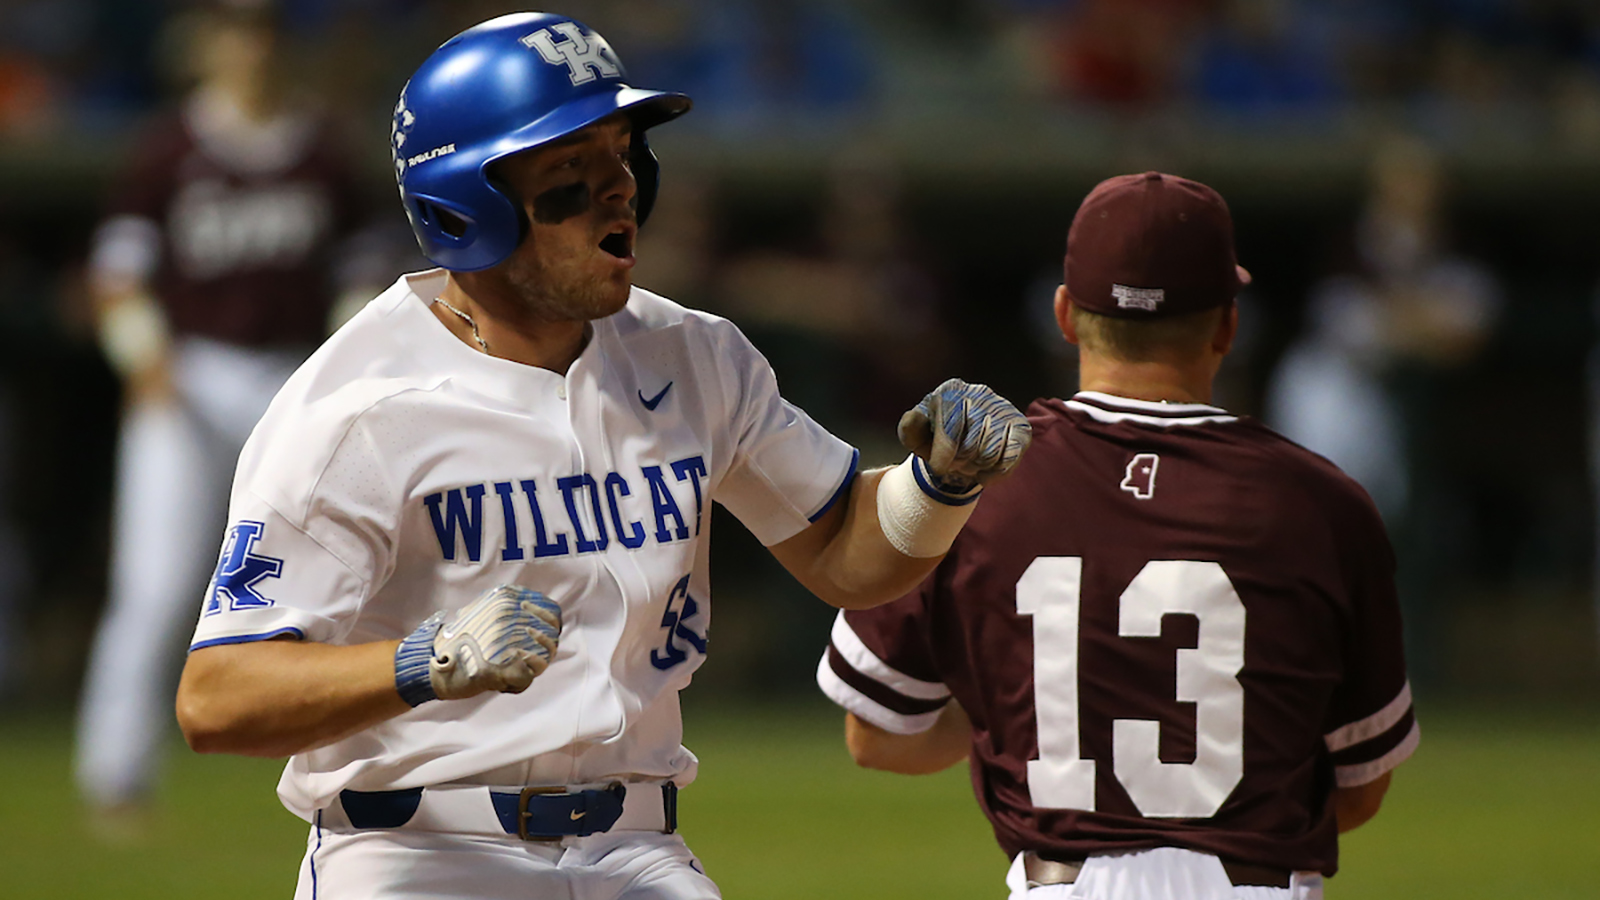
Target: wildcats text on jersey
(597, 509)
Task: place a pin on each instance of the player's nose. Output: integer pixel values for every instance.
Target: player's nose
(617, 184)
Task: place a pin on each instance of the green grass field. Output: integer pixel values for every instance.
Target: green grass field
(1498, 802)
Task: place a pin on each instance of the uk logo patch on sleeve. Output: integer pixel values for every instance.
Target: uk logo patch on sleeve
(239, 574)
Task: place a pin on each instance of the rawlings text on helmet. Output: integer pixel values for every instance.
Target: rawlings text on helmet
(435, 153)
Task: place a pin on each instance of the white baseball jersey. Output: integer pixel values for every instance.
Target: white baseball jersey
(400, 472)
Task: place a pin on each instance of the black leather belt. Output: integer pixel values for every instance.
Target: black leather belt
(1041, 871)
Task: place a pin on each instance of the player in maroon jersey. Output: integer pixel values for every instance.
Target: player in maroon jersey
(214, 275)
(1171, 638)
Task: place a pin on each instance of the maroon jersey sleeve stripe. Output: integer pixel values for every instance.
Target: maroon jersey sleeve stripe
(877, 667)
(1369, 759)
(866, 708)
(882, 644)
(1353, 775)
(1372, 726)
(877, 691)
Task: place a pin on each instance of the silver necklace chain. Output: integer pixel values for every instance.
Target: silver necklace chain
(467, 319)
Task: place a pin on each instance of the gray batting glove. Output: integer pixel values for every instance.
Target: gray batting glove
(498, 642)
(966, 435)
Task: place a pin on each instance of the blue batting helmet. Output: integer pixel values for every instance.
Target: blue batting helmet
(498, 88)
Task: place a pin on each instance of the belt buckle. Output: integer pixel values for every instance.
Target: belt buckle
(1041, 872)
(615, 789)
(522, 813)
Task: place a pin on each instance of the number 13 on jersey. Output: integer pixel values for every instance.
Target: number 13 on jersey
(1049, 591)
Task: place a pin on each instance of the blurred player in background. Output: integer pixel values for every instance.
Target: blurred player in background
(466, 570)
(1367, 382)
(1170, 642)
(213, 275)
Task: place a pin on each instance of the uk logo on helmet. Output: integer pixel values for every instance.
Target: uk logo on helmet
(586, 55)
(404, 121)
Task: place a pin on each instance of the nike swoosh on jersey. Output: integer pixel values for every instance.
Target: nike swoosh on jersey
(577, 814)
(655, 401)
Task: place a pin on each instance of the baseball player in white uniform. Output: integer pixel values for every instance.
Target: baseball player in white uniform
(467, 567)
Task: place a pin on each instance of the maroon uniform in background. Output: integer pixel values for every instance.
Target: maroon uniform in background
(1151, 572)
(231, 223)
(248, 224)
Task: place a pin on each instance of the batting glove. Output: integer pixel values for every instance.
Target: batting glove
(965, 434)
(498, 642)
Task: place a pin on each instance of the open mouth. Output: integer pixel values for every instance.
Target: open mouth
(618, 243)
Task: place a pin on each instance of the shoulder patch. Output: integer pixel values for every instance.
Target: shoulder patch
(240, 572)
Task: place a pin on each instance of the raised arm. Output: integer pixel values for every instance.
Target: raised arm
(899, 522)
(844, 557)
(130, 323)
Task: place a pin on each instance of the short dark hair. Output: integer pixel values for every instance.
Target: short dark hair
(1146, 340)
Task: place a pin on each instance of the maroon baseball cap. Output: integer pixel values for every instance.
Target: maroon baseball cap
(1152, 245)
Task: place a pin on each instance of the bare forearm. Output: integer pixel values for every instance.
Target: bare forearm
(275, 698)
(847, 561)
(924, 753)
(1355, 806)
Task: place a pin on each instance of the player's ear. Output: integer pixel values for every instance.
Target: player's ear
(1227, 330)
(1064, 314)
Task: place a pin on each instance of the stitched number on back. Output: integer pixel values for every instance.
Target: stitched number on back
(1060, 778)
(1140, 477)
(586, 56)
(675, 620)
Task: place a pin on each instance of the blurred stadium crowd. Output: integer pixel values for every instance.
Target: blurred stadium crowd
(1384, 319)
(90, 65)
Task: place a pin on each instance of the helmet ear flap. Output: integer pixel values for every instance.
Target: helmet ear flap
(446, 221)
(515, 199)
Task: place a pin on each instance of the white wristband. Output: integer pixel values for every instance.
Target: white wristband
(919, 519)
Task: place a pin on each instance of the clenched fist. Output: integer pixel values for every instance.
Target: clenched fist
(966, 434)
(499, 642)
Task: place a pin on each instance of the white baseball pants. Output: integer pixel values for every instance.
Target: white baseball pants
(413, 865)
(1164, 873)
(175, 461)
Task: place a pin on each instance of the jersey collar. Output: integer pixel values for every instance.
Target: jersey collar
(1111, 408)
(448, 353)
